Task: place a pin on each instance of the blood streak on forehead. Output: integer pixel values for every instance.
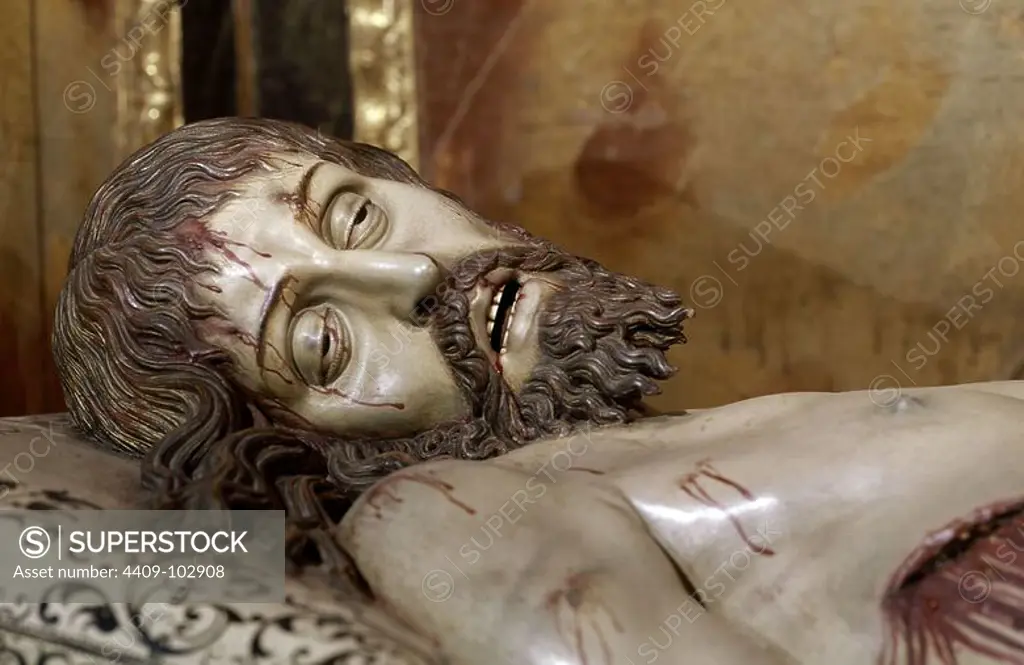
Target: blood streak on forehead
(201, 238)
(298, 201)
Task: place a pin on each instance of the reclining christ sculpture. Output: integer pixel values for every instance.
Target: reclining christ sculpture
(451, 412)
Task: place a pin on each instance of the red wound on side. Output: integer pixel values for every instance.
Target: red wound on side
(961, 591)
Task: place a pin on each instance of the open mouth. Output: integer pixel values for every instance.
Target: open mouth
(499, 316)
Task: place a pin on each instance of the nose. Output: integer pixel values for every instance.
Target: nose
(397, 281)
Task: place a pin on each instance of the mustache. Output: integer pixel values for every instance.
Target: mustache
(603, 338)
(447, 311)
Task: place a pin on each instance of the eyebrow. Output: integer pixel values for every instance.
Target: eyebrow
(300, 198)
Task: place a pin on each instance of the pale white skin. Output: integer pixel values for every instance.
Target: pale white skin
(383, 374)
(563, 551)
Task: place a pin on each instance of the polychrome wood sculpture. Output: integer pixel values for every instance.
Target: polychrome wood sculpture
(451, 412)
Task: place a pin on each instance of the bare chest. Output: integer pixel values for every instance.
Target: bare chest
(792, 517)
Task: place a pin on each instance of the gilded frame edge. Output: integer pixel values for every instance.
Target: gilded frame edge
(149, 98)
(382, 65)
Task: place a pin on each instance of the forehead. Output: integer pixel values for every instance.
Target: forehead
(274, 194)
(262, 203)
(281, 203)
(283, 172)
(284, 175)
(289, 179)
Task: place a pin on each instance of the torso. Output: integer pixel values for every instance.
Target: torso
(797, 512)
(788, 514)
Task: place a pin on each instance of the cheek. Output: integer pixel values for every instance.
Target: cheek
(403, 363)
(272, 379)
(397, 385)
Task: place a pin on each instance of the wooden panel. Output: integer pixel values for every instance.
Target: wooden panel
(107, 78)
(21, 327)
(712, 146)
(209, 65)
(291, 62)
(77, 69)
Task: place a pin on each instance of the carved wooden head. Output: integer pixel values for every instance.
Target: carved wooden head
(240, 271)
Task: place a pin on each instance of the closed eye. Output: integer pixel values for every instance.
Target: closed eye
(353, 221)
(320, 346)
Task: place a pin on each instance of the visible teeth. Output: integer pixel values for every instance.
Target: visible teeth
(492, 314)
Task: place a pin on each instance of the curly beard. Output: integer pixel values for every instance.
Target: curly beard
(603, 339)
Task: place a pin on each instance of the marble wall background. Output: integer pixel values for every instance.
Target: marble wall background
(836, 187)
